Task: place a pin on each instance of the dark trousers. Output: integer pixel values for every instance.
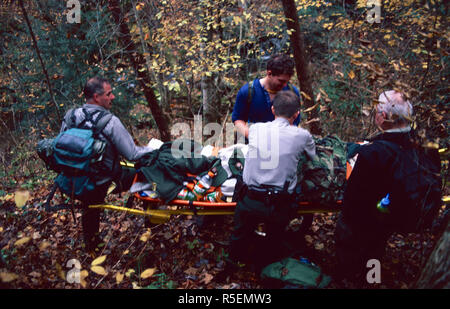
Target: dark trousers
(246, 246)
(356, 244)
(91, 217)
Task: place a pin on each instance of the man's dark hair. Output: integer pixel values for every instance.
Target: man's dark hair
(281, 64)
(94, 85)
(286, 103)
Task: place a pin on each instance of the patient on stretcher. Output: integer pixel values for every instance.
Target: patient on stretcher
(167, 175)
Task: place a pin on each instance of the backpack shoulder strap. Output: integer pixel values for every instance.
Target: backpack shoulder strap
(70, 119)
(249, 98)
(99, 123)
(102, 120)
(250, 94)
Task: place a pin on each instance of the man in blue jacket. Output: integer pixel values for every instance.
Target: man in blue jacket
(280, 69)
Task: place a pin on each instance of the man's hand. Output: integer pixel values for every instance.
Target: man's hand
(241, 127)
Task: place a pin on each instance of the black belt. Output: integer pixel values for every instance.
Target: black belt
(267, 195)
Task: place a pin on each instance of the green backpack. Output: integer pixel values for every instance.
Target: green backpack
(322, 180)
(295, 272)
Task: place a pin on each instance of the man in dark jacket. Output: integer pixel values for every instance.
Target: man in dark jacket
(361, 231)
(99, 97)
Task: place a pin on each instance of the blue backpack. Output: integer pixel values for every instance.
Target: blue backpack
(76, 153)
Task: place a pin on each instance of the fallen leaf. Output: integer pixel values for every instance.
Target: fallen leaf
(99, 270)
(99, 260)
(83, 275)
(135, 286)
(191, 271)
(309, 239)
(34, 274)
(61, 273)
(319, 246)
(44, 245)
(21, 197)
(207, 279)
(145, 236)
(129, 272)
(22, 241)
(119, 277)
(148, 273)
(7, 198)
(8, 277)
(351, 74)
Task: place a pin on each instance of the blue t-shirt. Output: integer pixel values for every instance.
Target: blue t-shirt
(261, 106)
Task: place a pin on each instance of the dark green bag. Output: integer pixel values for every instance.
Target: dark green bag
(296, 272)
(322, 180)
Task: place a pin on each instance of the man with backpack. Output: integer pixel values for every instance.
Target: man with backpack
(270, 177)
(394, 187)
(254, 100)
(118, 142)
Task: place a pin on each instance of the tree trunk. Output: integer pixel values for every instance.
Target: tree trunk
(138, 62)
(44, 69)
(301, 63)
(436, 273)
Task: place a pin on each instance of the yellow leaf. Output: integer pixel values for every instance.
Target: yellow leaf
(130, 272)
(44, 245)
(8, 277)
(310, 108)
(351, 74)
(1, 229)
(83, 275)
(99, 270)
(119, 277)
(305, 95)
(7, 198)
(148, 273)
(99, 260)
(21, 197)
(139, 6)
(61, 273)
(22, 241)
(145, 236)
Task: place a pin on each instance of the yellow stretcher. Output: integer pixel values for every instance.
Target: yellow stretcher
(201, 208)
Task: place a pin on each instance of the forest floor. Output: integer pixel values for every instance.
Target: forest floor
(38, 248)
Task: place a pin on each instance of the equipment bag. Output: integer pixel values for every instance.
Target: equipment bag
(322, 180)
(300, 273)
(76, 154)
(415, 188)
